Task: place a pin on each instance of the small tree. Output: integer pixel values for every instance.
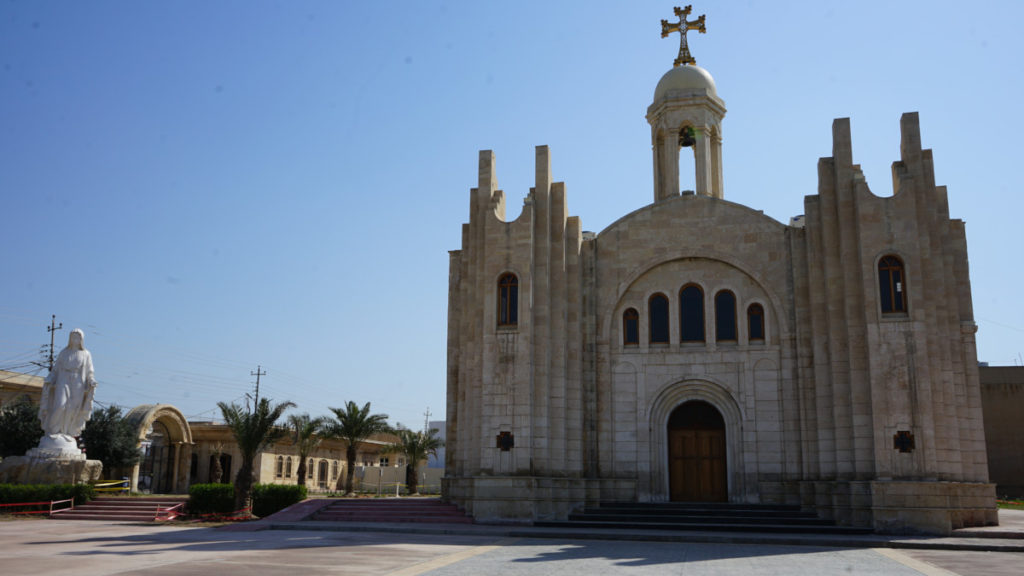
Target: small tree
(306, 437)
(110, 438)
(416, 447)
(20, 429)
(216, 470)
(353, 425)
(253, 432)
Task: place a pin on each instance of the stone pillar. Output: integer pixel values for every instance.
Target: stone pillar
(702, 161)
(177, 466)
(668, 178)
(717, 183)
(135, 477)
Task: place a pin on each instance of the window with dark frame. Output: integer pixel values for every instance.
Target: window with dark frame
(631, 327)
(658, 312)
(691, 313)
(891, 285)
(725, 316)
(508, 300)
(755, 323)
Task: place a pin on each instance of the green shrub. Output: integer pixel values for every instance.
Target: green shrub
(270, 498)
(211, 499)
(15, 493)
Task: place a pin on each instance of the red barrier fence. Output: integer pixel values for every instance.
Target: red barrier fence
(49, 503)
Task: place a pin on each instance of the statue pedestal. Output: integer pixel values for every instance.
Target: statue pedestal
(38, 467)
(56, 447)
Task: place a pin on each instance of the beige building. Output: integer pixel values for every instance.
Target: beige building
(177, 453)
(698, 350)
(1002, 400)
(14, 385)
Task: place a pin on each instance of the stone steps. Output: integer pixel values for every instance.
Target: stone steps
(702, 516)
(122, 509)
(423, 510)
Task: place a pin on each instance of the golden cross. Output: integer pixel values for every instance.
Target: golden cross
(682, 26)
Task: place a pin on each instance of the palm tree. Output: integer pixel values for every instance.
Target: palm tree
(253, 432)
(416, 447)
(353, 425)
(306, 435)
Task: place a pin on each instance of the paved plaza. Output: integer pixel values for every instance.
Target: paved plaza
(80, 547)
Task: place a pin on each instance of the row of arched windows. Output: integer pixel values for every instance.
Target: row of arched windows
(891, 293)
(691, 319)
(284, 468)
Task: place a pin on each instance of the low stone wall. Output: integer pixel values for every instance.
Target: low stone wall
(904, 507)
(524, 499)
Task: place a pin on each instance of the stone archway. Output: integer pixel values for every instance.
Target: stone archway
(172, 461)
(697, 459)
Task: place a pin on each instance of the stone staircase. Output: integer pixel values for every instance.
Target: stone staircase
(703, 516)
(392, 510)
(124, 509)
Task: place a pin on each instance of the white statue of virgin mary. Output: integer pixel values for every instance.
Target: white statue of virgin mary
(66, 402)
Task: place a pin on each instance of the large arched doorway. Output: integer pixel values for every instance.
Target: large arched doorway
(697, 454)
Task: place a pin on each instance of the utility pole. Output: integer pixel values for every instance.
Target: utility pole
(257, 374)
(51, 329)
(426, 421)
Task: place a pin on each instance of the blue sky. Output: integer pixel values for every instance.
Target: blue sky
(208, 187)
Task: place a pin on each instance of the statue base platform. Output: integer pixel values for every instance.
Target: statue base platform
(38, 468)
(57, 447)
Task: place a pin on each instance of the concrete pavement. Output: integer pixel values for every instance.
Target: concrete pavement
(72, 547)
(271, 546)
(1007, 537)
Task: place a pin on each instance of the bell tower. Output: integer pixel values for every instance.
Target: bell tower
(686, 114)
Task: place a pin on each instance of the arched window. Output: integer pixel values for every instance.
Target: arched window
(755, 323)
(309, 468)
(279, 472)
(508, 300)
(691, 313)
(892, 287)
(334, 470)
(288, 467)
(725, 316)
(658, 311)
(322, 475)
(630, 327)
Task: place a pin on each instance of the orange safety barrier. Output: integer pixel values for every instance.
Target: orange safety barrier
(169, 513)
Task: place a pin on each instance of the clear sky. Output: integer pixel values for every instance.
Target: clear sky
(208, 187)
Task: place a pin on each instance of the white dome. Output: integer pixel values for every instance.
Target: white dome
(685, 79)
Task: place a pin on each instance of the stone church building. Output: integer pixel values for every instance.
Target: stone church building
(698, 350)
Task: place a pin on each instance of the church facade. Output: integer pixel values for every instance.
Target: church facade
(698, 350)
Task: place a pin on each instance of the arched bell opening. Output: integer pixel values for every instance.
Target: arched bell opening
(698, 463)
(686, 157)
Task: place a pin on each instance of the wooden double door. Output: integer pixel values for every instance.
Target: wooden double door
(697, 454)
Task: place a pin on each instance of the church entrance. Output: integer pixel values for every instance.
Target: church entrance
(696, 453)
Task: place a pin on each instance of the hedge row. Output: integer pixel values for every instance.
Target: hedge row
(220, 498)
(211, 499)
(270, 498)
(17, 493)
